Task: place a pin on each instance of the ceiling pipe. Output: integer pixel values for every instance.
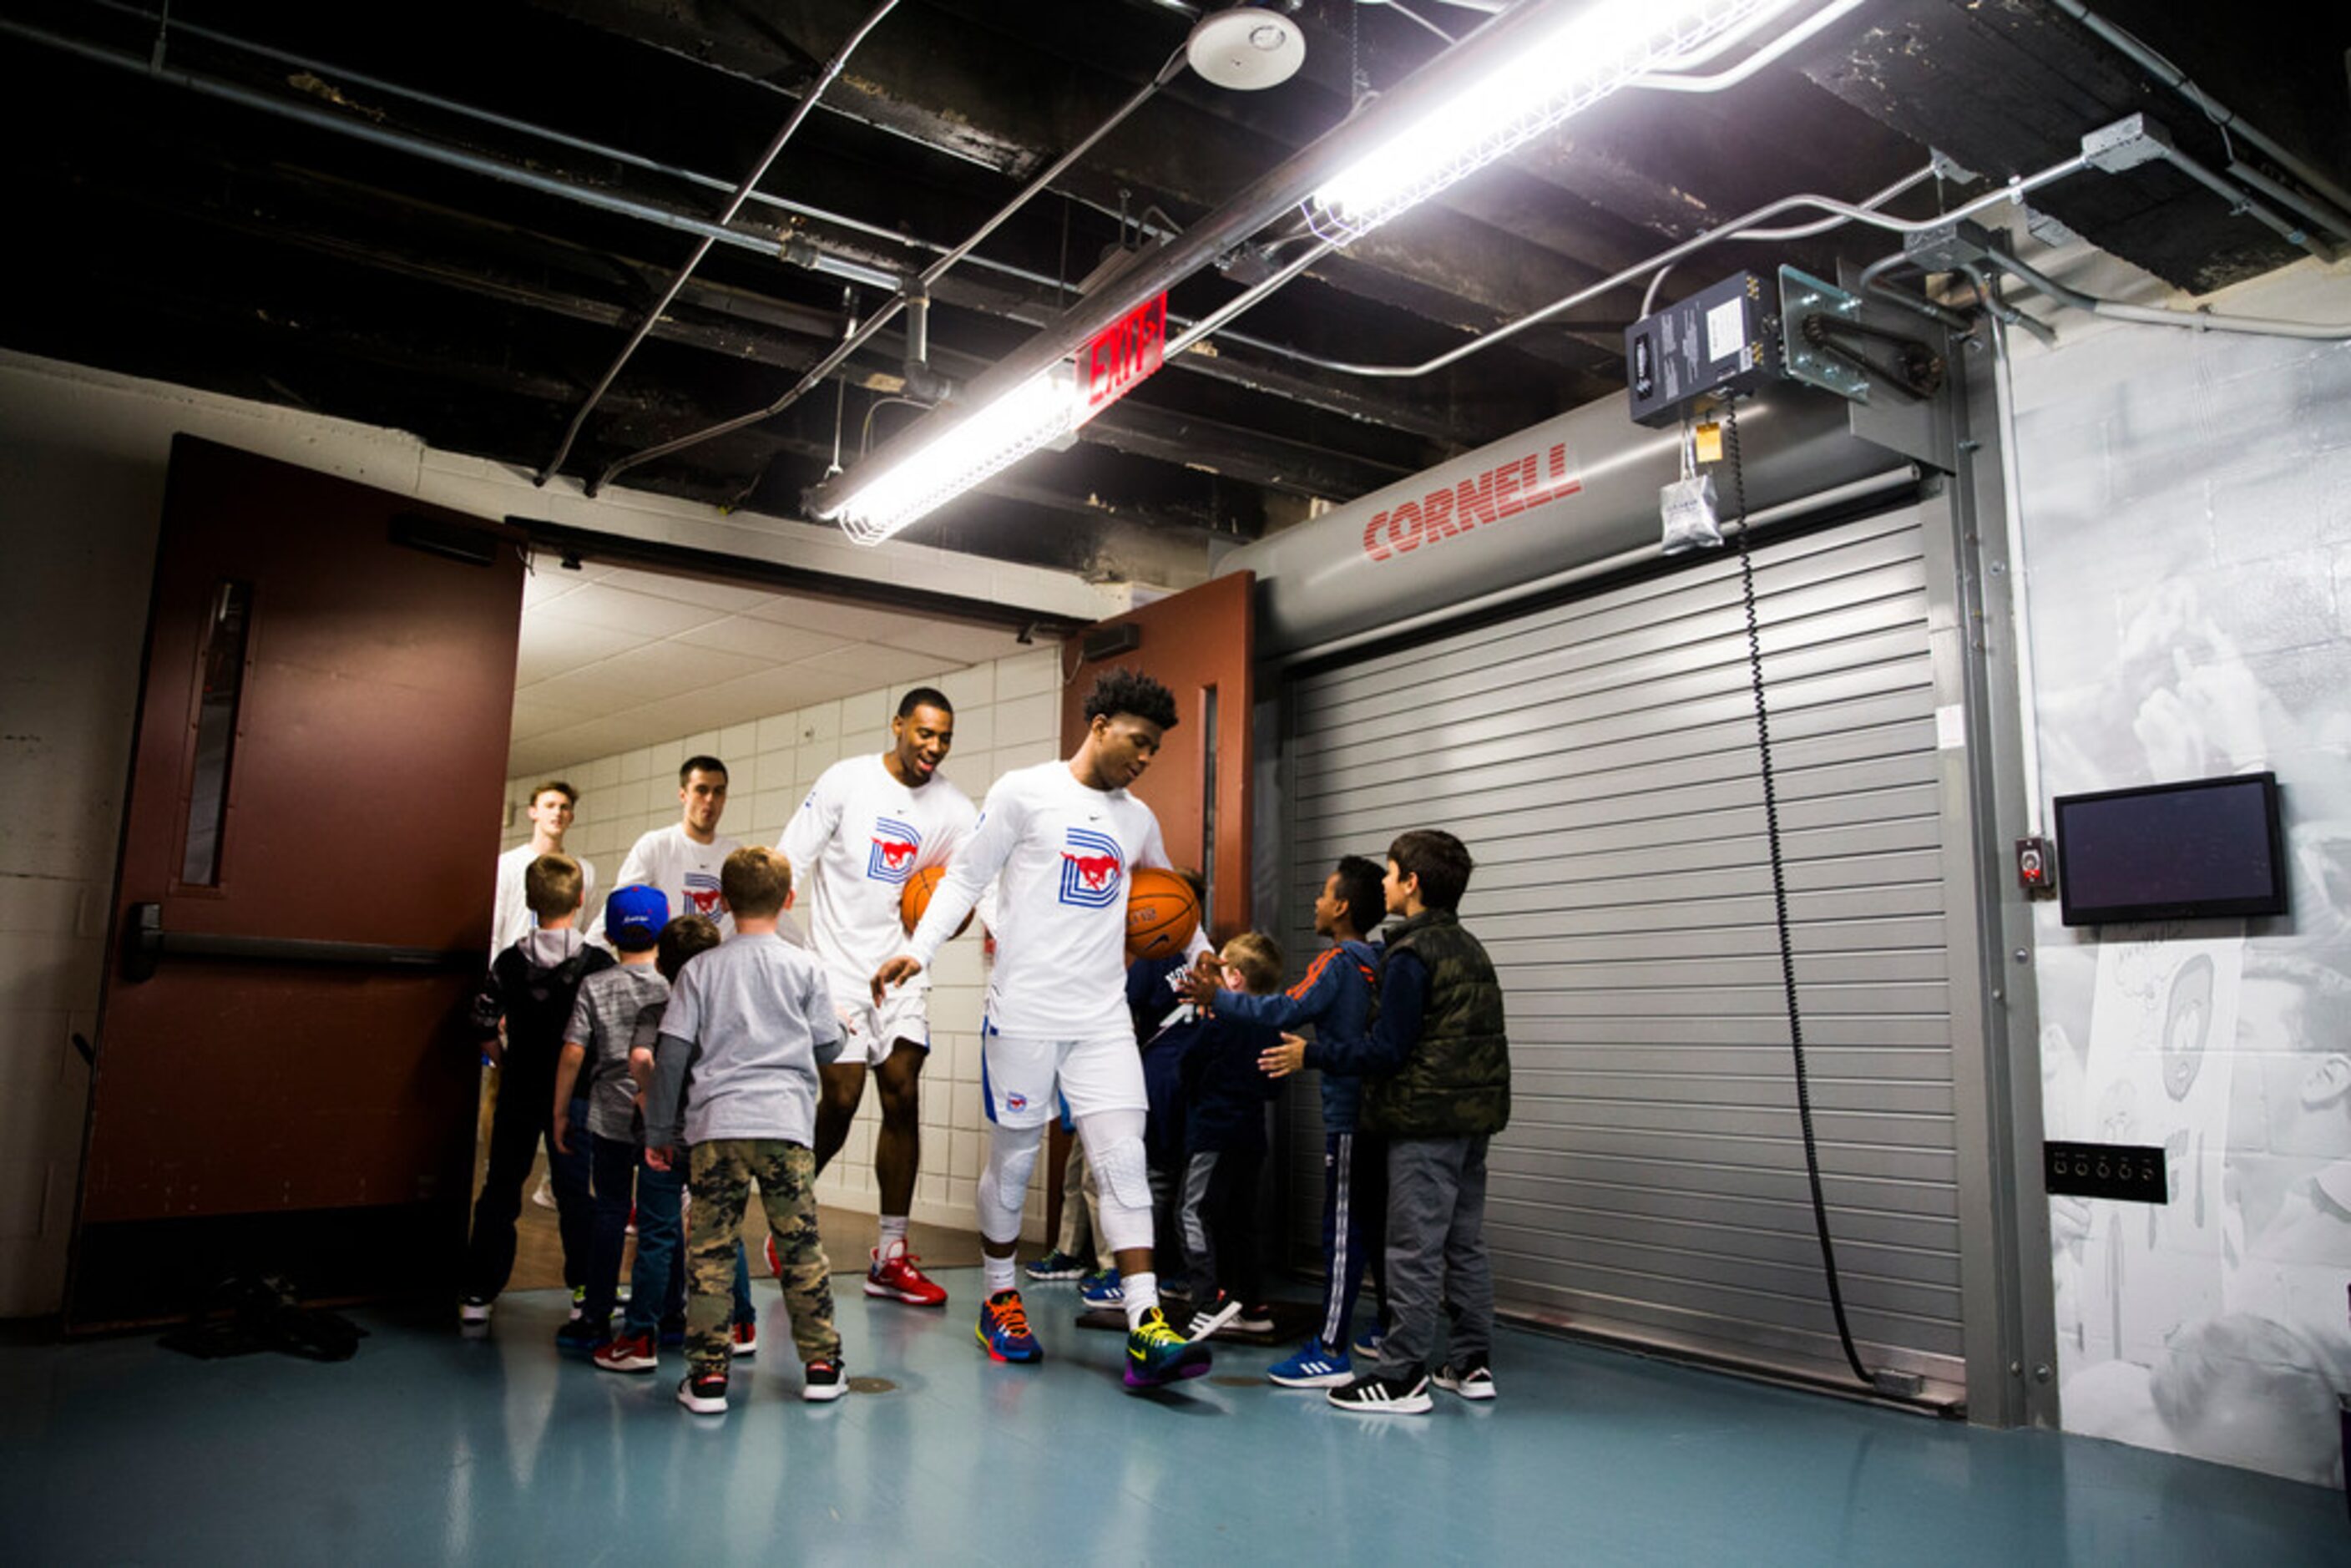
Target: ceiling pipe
(918, 287)
(1268, 197)
(800, 112)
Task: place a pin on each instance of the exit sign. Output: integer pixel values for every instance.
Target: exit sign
(1121, 355)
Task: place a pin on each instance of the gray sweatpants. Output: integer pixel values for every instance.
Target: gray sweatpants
(1436, 1254)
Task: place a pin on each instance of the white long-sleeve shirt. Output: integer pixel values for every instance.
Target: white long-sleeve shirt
(854, 844)
(1060, 854)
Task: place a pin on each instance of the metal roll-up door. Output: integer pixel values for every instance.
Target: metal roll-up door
(1598, 757)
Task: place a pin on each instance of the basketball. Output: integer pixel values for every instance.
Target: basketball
(917, 897)
(1161, 913)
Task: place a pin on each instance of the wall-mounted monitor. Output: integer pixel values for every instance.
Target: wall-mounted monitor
(2210, 849)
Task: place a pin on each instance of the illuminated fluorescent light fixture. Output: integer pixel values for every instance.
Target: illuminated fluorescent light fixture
(1036, 413)
(1590, 56)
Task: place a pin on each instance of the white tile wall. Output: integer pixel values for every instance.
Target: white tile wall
(1007, 716)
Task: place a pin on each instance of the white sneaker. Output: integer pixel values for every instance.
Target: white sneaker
(545, 1196)
(1472, 1383)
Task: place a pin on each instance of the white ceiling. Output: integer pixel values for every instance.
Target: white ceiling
(613, 658)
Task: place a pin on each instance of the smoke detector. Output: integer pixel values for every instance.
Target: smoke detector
(1245, 48)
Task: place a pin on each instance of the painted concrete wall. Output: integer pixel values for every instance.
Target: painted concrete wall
(1007, 715)
(2187, 505)
(82, 463)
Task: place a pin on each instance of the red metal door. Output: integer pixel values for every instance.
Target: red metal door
(1201, 645)
(301, 905)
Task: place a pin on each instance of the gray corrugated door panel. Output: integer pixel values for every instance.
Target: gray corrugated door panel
(1598, 757)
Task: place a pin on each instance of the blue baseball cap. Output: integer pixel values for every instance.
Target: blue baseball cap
(633, 917)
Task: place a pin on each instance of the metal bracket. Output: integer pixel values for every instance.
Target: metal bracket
(1803, 296)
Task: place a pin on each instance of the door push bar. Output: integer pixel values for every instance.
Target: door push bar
(145, 944)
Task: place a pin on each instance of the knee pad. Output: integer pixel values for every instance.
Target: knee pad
(1003, 1186)
(1114, 1150)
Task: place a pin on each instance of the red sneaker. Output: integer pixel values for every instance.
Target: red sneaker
(896, 1277)
(627, 1352)
(746, 1340)
(775, 1260)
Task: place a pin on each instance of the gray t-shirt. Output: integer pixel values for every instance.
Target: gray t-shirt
(604, 1019)
(747, 1025)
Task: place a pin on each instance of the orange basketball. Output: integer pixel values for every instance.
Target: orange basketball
(1161, 913)
(917, 897)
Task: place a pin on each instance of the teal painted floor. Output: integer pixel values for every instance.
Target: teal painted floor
(428, 1449)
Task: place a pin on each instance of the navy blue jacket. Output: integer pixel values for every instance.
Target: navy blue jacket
(1336, 998)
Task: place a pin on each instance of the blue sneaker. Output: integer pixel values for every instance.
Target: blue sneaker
(1056, 1265)
(1003, 1329)
(1368, 1347)
(1101, 1289)
(1316, 1366)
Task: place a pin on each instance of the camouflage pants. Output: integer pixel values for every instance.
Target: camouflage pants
(720, 1175)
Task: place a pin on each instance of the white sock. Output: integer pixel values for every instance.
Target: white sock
(894, 1234)
(1142, 1294)
(998, 1271)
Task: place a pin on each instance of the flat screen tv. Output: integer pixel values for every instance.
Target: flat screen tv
(2209, 849)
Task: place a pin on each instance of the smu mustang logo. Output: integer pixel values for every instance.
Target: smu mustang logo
(702, 892)
(895, 844)
(1090, 868)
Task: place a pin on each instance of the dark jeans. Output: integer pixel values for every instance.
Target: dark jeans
(1354, 1223)
(522, 1122)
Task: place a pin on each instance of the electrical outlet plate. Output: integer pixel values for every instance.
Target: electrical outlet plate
(1801, 295)
(2133, 1173)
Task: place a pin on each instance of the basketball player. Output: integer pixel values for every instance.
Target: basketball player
(1059, 840)
(871, 822)
(549, 813)
(682, 858)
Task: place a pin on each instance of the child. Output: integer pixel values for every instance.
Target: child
(603, 1022)
(1224, 1150)
(657, 1313)
(748, 1024)
(1336, 997)
(1438, 1065)
(530, 989)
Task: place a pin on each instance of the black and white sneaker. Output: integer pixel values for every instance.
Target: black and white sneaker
(474, 1314)
(1257, 1318)
(1211, 1315)
(704, 1395)
(1475, 1381)
(1375, 1395)
(823, 1380)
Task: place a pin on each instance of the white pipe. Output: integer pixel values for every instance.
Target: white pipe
(1675, 82)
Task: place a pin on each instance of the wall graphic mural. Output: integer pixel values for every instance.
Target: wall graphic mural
(2190, 557)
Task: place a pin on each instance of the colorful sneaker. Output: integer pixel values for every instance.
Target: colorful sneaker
(580, 1337)
(896, 1279)
(578, 1302)
(1316, 1366)
(1056, 1265)
(746, 1341)
(1003, 1329)
(1211, 1315)
(1157, 1356)
(1372, 1395)
(474, 1313)
(823, 1380)
(627, 1352)
(1367, 1347)
(1474, 1381)
(672, 1333)
(1100, 1288)
(704, 1395)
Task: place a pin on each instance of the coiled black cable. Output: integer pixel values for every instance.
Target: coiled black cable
(1780, 903)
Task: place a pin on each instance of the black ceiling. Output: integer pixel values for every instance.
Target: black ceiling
(248, 206)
